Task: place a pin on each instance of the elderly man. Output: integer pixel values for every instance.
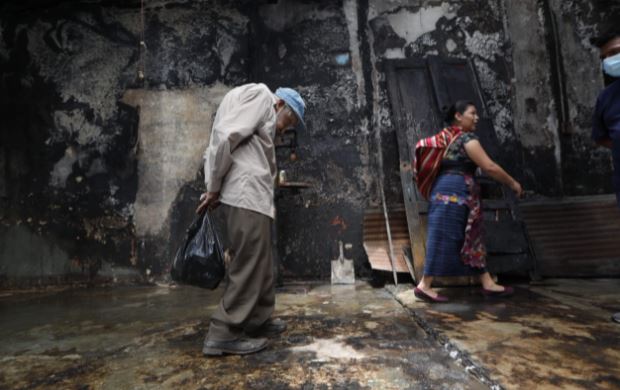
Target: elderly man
(240, 172)
(606, 119)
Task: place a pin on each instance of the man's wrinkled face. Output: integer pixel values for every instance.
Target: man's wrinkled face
(286, 118)
(611, 48)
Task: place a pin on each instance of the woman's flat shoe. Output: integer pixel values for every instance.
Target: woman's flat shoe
(427, 298)
(507, 291)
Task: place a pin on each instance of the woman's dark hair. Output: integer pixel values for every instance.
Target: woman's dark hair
(609, 32)
(459, 106)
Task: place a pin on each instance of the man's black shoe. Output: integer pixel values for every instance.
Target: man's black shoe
(272, 327)
(241, 346)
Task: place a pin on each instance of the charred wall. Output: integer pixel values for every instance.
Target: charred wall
(537, 70)
(314, 47)
(586, 169)
(93, 158)
(67, 149)
(557, 78)
(100, 170)
(472, 30)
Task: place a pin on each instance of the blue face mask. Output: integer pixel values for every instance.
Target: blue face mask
(611, 65)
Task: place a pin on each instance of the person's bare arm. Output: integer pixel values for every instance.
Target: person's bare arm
(476, 152)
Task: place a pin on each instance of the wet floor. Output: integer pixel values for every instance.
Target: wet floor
(554, 335)
(150, 338)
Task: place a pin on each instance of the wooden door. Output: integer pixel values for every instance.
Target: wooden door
(419, 90)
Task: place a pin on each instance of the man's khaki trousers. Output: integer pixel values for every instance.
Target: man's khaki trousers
(249, 295)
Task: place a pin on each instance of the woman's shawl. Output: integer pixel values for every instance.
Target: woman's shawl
(428, 155)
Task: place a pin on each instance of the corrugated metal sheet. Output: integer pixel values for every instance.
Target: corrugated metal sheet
(376, 239)
(575, 236)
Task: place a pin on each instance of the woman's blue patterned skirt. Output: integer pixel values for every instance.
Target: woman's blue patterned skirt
(446, 229)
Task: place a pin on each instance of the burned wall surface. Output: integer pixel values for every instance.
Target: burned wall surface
(472, 30)
(586, 168)
(538, 72)
(100, 170)
(557, 77)
(307, 46)
(534, 107)
(90, 170)
(67, 144)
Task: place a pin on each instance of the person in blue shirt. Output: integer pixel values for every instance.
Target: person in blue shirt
(606, 118)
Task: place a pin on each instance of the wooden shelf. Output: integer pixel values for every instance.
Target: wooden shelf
(294, 185)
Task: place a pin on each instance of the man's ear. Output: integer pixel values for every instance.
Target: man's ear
(279, 104)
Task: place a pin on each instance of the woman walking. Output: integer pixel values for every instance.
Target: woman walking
(454, 243)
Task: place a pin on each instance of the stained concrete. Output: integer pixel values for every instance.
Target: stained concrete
(557, 334)
(346, 337)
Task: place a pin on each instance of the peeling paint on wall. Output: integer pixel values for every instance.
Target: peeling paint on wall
(174, 130)
(486, 46)
(72, 157)
(351, 15)
(449, 29)
(72, 124)
(76, 56)
(63, 168)
(412, 25)
(450, 45)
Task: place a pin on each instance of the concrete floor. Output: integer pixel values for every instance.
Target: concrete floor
(150, 338)
(554, 335)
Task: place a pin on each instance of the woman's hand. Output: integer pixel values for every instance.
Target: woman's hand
(208, 200)
(516, 187)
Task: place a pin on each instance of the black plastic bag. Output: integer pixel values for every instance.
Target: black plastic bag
(200, 260)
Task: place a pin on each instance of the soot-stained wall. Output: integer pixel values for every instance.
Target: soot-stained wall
(308, 45)
(93, 158)
(586, 169)
(68, 144)
(557, 77)
(471, 30)
(537, 70)
(100, 170)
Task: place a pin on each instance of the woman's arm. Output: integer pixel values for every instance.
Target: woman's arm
(479, 156)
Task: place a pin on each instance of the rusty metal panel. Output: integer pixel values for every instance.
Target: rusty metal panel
(575, 236)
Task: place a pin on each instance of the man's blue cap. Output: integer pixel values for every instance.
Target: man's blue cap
(294, 101)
